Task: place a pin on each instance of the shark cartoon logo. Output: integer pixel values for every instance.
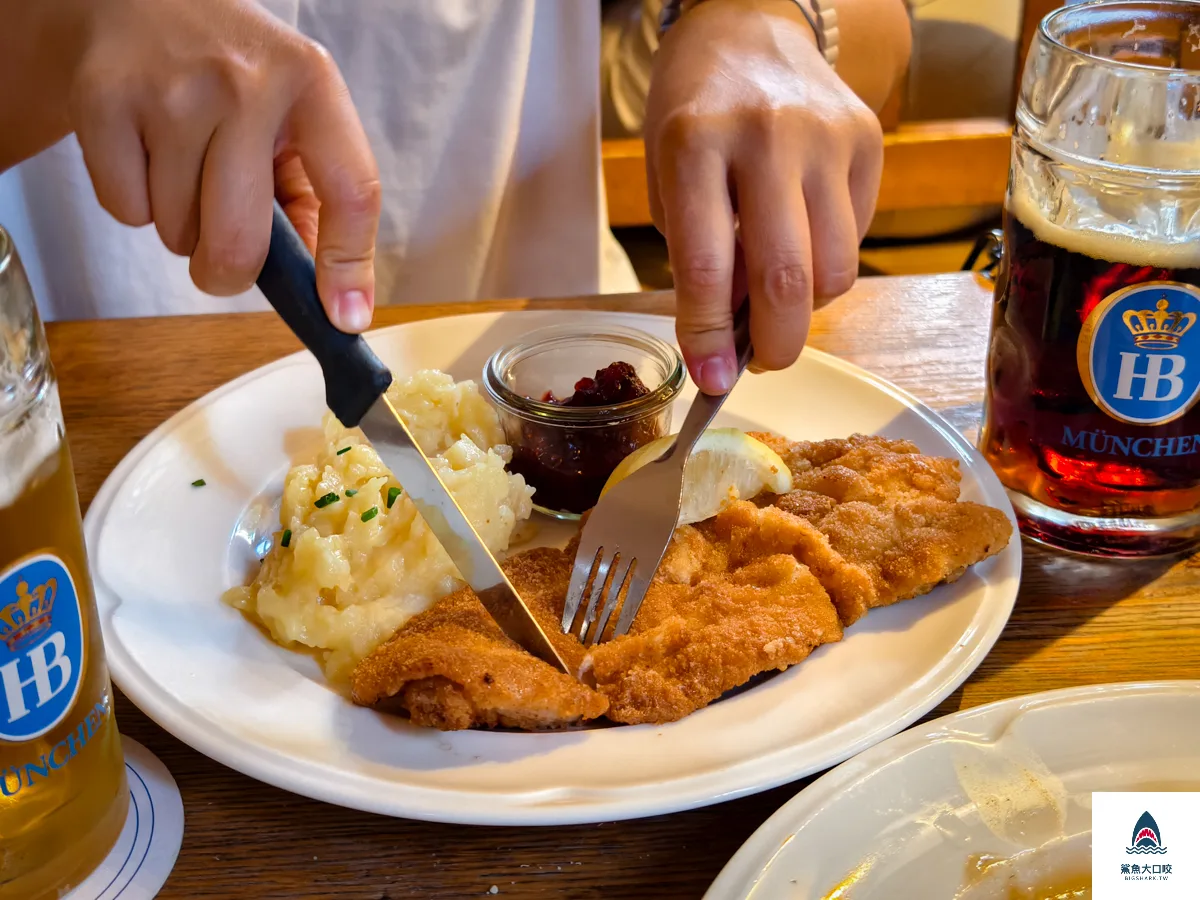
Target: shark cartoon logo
(1147, 838)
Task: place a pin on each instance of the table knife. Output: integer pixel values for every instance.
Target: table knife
(356, 382)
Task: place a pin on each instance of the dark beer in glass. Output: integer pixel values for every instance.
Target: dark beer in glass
(1091, 419)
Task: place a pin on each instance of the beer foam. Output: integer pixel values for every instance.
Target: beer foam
(1100, 233)
(33, 439)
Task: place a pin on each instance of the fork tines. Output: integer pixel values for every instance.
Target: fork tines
(627, 533)
(601, 577)
(614, 584)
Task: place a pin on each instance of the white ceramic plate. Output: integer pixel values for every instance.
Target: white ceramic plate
(163, 552)
(1011, 781)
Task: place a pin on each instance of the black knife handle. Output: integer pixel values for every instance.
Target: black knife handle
(354, 376)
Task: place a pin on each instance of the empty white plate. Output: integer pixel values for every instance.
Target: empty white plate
(163, 552)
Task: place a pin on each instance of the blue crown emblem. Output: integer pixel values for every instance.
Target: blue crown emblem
(1138, 352)
(28, 615)
(1146, 836)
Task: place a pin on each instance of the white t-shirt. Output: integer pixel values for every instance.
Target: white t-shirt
(484, 118)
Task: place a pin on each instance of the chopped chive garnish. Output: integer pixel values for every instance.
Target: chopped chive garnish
(393, 493)
(287, 537)
(351, 492)
(370, 514)
(343, 450)
(199, 482)
(323, 502)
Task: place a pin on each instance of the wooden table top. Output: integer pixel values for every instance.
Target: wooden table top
(1076, 622)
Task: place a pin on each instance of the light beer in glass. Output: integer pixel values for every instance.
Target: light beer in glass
(63, 796)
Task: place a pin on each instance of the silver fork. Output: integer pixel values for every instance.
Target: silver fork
(628, 532)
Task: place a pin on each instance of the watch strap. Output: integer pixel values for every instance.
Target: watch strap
(820, 14)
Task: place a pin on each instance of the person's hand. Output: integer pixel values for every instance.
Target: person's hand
(745, 119)
(193, 115)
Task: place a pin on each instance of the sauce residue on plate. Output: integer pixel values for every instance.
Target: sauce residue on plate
(841, 891)
(1057, 870)
(1071, 883)
(1015, 794)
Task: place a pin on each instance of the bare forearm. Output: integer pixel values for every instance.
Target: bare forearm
(875, 40)
(40, 46)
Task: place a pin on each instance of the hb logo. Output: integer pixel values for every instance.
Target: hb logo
(1139, 354)
(41, 647)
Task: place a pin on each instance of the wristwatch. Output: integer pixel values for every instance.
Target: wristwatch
(821, 16)
(826, 27)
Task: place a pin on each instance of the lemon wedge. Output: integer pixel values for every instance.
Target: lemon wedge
(726, 465)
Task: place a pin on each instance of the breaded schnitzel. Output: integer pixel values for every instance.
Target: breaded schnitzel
(756, 588)
(713, 619)
(862, 467)
(889, 512)
(451, 667)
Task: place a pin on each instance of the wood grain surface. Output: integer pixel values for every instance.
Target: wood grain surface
(1076, 622)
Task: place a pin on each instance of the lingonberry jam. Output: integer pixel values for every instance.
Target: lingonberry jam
(569, 466)
(615, 383)
(567, 444)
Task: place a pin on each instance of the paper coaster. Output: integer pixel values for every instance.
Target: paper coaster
(149, 843)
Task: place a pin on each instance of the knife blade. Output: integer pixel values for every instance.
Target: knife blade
(399, 451)
(356, 382)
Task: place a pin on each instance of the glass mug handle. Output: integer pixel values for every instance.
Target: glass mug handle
(990, 245)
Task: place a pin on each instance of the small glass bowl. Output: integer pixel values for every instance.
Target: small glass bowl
(567, 453)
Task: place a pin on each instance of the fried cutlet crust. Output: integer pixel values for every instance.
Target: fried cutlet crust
(889, 512)
(696, 640)
(451, 667)
(720, 611)
(751, 532)
(800, 456)
(757, 588)
(912, 546)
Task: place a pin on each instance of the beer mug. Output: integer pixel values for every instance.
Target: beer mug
(63, 797)
(1094, 357)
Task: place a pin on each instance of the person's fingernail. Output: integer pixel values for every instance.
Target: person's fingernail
(353, 312)
(716, 375)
